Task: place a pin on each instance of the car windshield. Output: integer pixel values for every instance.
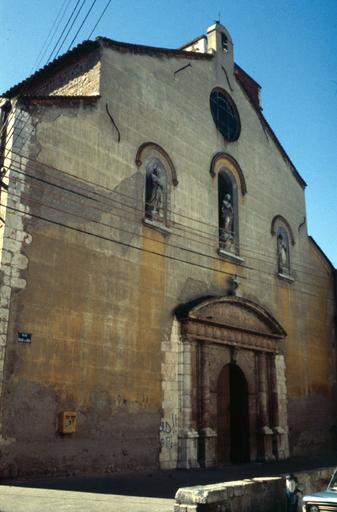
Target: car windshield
(333, 482)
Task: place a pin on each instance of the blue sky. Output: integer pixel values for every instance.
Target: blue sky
(288, 46)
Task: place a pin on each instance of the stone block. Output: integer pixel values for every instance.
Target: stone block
(20, 261)
(12, 245)
(4, 313)
(18, 283)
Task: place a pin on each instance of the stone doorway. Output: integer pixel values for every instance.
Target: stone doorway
(232, 403)
(232, 416)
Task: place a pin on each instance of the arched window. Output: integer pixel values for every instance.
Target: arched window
(225, 114)
(159, 176)
(224, 43)
(281, 229)
(228, 212)
(232, 188)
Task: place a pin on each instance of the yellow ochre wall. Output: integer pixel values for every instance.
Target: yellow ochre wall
(99, 286)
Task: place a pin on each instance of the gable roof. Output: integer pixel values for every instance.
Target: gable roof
(56, 65)
(248, 84)
(87, 47)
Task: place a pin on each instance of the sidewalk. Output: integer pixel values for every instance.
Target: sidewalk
(150, 491)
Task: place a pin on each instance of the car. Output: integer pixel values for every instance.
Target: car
(322, 501)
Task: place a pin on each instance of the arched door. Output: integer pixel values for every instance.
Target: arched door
(232, 415)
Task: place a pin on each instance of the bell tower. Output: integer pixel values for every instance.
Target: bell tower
(219, 42)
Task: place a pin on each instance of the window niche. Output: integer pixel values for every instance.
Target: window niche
(231, 187)
(156, 191)
(159, 177)
(284, 239)
(228, 212)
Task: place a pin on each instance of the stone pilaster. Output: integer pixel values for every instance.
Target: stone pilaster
(188, 437)
(266, 433)
(281, 430)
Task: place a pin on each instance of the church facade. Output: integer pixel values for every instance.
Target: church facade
(162, 304)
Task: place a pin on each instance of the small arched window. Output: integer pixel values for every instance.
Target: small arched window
(224, 43)
(228, 212)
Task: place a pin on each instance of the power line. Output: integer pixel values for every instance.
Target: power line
(64, 39)
(52, 32)
(132, 233)
(213, 240)
(99, 19)
(84, 20)
(117, 242)
(69, 22)
(207, 236)
(26, 87)
(132, 246)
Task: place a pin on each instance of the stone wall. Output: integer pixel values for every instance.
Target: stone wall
(257, 494)
(253, 495)
(79, 79)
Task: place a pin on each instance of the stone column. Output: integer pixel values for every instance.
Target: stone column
(188, 435)
(266, 433)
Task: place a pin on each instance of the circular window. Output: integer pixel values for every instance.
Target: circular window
(225, 114)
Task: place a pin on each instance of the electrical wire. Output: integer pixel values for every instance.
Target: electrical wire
(60, 46)
(207, 236)
(109, 239)
(99, 19)
(69, 22)
(58, 20)
(186, 237)
(132, 233)
(142, 249)
(213, 239)
(80, 27)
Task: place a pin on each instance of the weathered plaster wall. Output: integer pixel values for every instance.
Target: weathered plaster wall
(100, 286)
(173, 111)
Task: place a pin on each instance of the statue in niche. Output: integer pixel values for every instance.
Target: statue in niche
(227, 219)
(282, 253)
(155, 190)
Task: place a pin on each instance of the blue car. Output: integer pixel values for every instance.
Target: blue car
(322, 501)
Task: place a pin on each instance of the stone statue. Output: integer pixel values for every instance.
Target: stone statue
(155, 201)
(282, 251)
(227, 218)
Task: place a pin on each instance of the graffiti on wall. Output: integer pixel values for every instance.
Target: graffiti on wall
(168, 430)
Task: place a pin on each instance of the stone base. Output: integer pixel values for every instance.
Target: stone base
(282, 446)
(267, 444)
(188, 449)
(209, 439)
